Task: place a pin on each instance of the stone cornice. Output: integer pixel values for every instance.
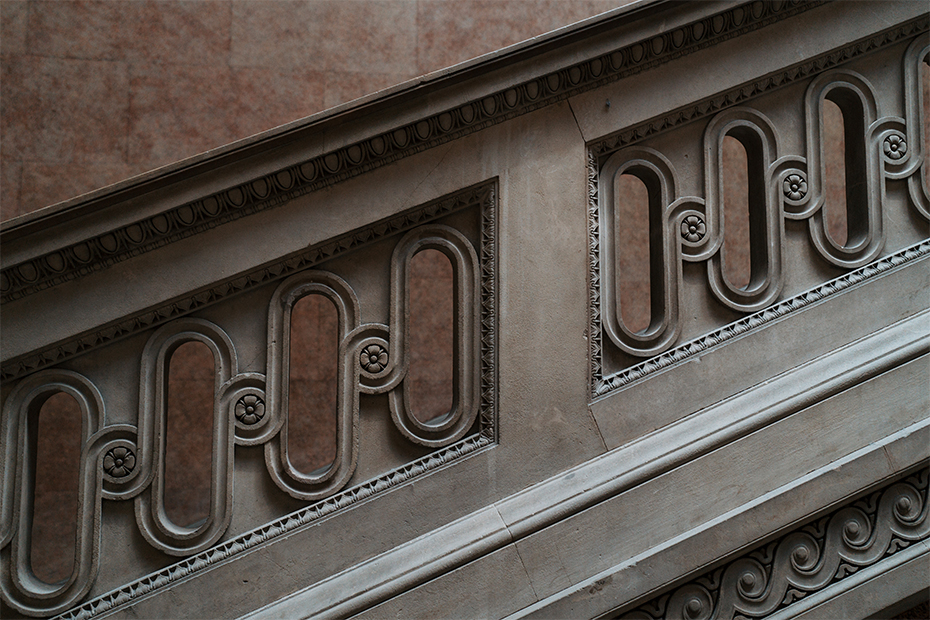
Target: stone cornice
(102, 250)
(482, 195)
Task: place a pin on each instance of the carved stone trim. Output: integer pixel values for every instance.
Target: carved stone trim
(182, 570)
(271, 190)
(480, 194)
(248, 388)
(795, 197)
(820, 554)
(20, 587)
(465, 383)
(602, 386)
(154, 523)
(759, 86)
(315, 485)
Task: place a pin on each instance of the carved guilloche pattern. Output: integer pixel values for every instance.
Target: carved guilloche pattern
(807, 560)
(783, 186)
(127, 461)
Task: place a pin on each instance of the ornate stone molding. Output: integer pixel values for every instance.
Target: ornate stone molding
(759, 319)
(240, 544)
(811, 558)
(101, 251)
(482, 194)
(127, 461)
(760, 86)
(789, 187)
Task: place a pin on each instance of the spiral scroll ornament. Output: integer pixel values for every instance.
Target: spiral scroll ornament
(811, 558)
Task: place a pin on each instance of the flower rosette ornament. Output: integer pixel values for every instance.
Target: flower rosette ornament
(119, 462)
(374, 358)
(795, 187)
(250, 409)
(894, 147)
(693, 229)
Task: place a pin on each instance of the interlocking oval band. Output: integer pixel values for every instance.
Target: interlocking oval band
(458, 249)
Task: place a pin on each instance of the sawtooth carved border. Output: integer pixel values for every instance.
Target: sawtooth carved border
(810, 558)
(101, 251)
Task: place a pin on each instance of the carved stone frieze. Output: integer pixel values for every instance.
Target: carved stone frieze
(821, 554)
(127, 461)
(782, 187)
(278, 270)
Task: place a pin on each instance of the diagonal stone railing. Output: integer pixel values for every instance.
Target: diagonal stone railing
(629, 320)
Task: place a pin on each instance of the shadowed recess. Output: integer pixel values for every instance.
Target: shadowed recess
(312, 386)
(633, 249)
(189, 434)
(737, 266)
(430, 335)
(848, 188)
(834, 139)
(55, 501)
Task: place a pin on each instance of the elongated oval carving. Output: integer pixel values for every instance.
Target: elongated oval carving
(158, 528)
(23, 589)
(313, 392)
(57, 476)
(915, 156)
(757, 137)
(851, 194)
(453, 425)
(860, 189)
(634, 325)
(429, 382)
(328, 479)
(924, 123)
(189, 433)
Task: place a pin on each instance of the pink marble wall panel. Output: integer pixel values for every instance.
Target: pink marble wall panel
(40, 183)
(449, 33)
(178, 110)
(13, 15)
(129, 86)
(192, 33)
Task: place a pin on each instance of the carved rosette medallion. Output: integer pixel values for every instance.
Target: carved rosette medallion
(894, 146)
(119, 462)
(374, 358)
(250, 409)
(693, 229)
(795, 187)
